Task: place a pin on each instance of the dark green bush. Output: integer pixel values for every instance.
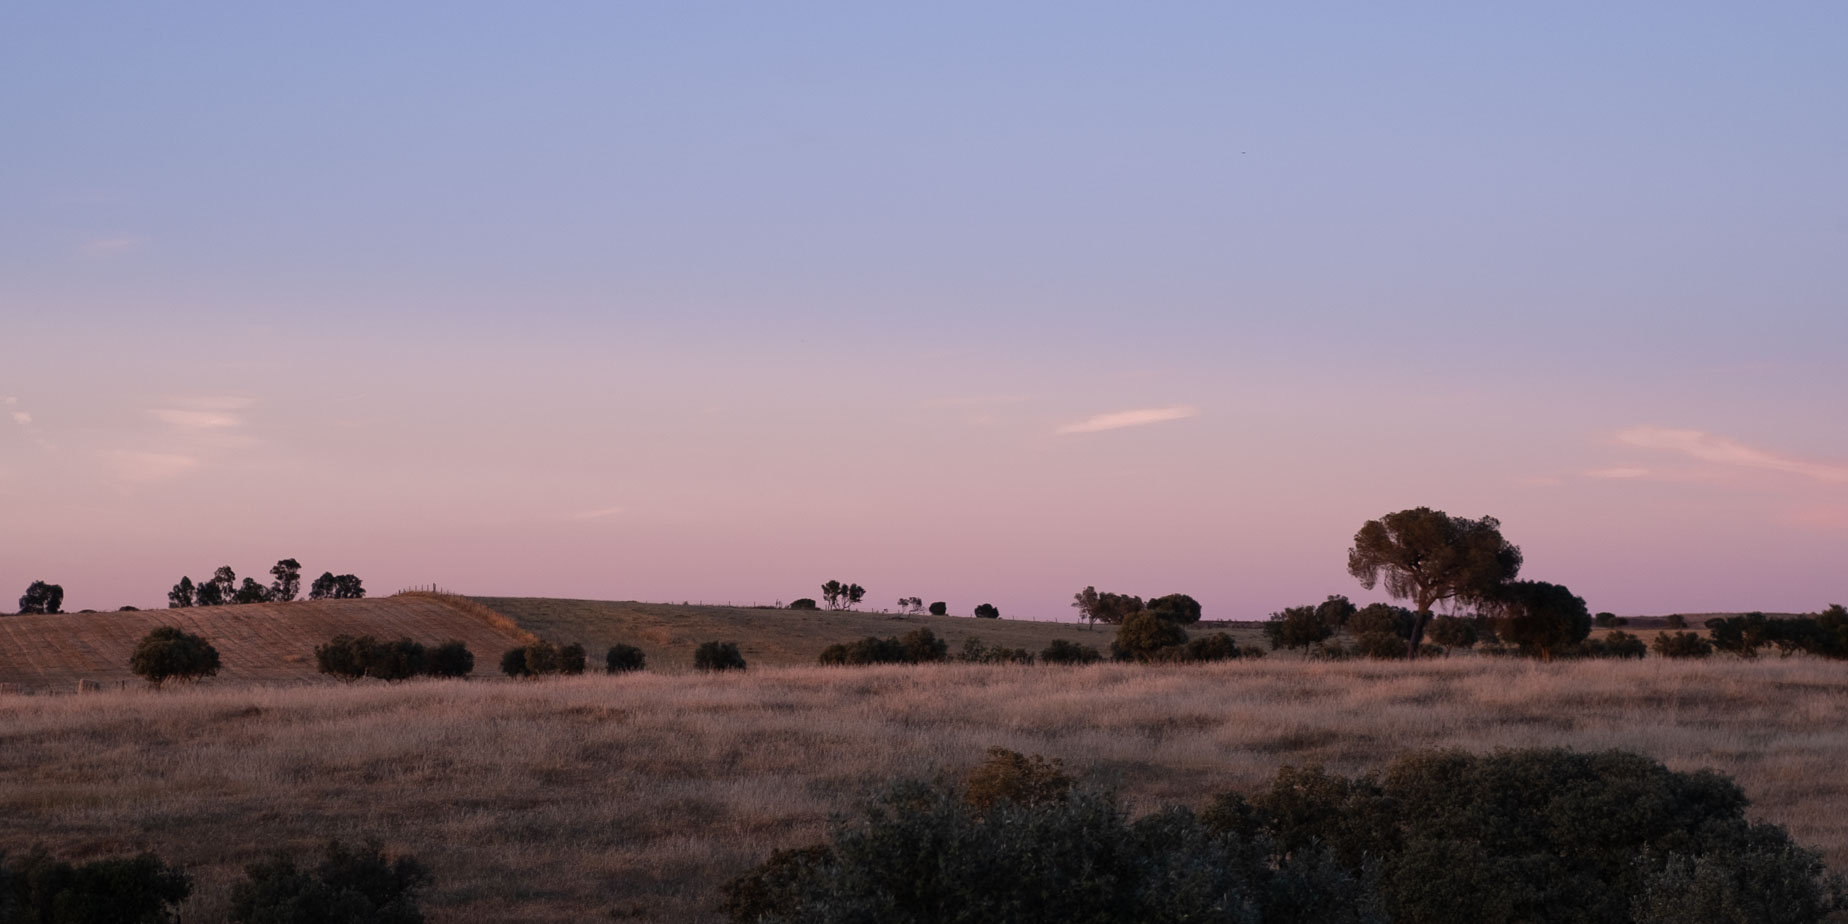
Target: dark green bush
(1681, 645)
(1616, 644)
(624, 658)
(1179, 608)
(1382, 618)
(1142, 634)
(349, 886)
(869, 650)
(168, 653)
(939, 608)
(974, 652)
(351, 658)
(341, 657)
(1676, 621)
(1023, 779)
(450, 659)
(513, 663)
(922, 646)
(1060, 651)
(1303, 627)
(1381, 645)
(571, 659)
(1741, 635)
(35, 888)
(1451, 632)
(803, 603)
(986, 611)
(540, 659)
(1216, 647)
(718, 656)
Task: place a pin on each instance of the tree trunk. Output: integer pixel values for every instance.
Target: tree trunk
(1418, 625)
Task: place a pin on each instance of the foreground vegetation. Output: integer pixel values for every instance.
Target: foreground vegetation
(640, 794)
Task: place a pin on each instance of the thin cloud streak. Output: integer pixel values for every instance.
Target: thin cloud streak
(1121, 419)
(1720, 450)
(195, 420)
(597, 514)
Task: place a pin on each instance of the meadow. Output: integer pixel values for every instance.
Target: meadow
(634, 797)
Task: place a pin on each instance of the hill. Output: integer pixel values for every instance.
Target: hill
(668, 632)
(257, 642)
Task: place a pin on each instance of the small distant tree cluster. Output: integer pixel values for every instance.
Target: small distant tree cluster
(224, 588)
(718, 656)
(351, 658)
(1824, 634)
(911, 605)
(541, 659)
(1146, 636)
(1115, 609)
(621, 659)
(349, 886)
(168, 653)
(331, 587)
(1061, 651)
(919, 646)
(1609, 621)
(1618, 644)
(841, 596)
(803, 603)
(974, 651)
(37, 888)
(987, 611)
(1681, 645)
(939, 608)
(41, 598)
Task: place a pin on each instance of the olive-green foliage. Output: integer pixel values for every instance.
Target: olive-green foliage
(1383, 646)
(1143, 634)
(1216, 647)
(924, 646)
(571, 659)
(1681, 645)
(624, 658)
(449, 659)
(1615, 644)
(168, 653)
(918, 646)
(1776, 881)
(1824, 634)
(1336, 610)
(1060, 651)
(1452, 632)
(1540, 618)
(36, 888)
(718, 656)
(349, 886)
(922, 854)
(1297, 627)
(1023, 779)
(1533, 835)
(975, 652)
(1382, 618)
(1179, 608)
(1741, 635)
(513, 663)
(542, 658)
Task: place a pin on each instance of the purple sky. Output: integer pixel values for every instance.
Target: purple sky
(716, 301)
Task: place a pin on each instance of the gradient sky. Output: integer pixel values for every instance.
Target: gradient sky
(970, 301)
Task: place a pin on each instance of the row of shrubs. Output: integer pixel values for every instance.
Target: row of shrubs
(1142, 637)
(348, 885)
(1441, 837)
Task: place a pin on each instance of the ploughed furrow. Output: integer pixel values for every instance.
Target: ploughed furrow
(257, 643)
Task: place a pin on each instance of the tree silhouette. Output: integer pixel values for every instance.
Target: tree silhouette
(182, 595)
(1428, 556)
(288, 580)
(41, 597)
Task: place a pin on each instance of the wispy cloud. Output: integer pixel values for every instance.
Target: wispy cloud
(596, 514)
(1121, 419)
(22, 418)
(195, 420)
(144, 467)
(1620, 471)
(1720, 450)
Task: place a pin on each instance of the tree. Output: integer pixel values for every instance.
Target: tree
(168, 653)
(288, 580)
(1143, 634)
(182, 595)
(348, 587)
(1539, 617)
(831, 594)
(226, 579)
(349, 886)
(1454, 631)
(1061, 651)
(802, 603)
(624, 658)
(210, 594)
(1428, 556)
(939, 608)
(1176, 608)
(41, 598)
(718, 656)
(513, 663)
(571, 659)
(1297, 627)
(1741, 635)
(251, 592)
(1336, 611)
(987, 611)
(450, 659)
(323, 587)
(853, 595)
(1681, 645)
(911, 605)
(1107, 608)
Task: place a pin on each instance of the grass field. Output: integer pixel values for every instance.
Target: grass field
(633, 797)
(258, 643)
(668, 633)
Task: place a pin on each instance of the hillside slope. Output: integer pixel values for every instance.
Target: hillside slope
(257, 643)
(668, 632)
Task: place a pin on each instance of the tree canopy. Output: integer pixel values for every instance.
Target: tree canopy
(1540, 617)
(43, 598)
(1429, 557)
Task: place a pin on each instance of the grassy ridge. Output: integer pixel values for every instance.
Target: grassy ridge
(635, 796)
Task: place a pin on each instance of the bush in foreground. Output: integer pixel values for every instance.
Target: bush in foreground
(1681, 645)
(167, 653)
(621, 659)
(919, 646)
(718, 656)
(541, 659)
(351, 658)
(450, 659)
(1060, 651)
(349, 886)
(35, 888)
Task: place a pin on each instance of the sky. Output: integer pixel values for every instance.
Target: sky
(974, 302)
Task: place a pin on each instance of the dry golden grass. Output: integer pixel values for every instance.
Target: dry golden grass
(257, 642)
(668, 632)
(637, 795)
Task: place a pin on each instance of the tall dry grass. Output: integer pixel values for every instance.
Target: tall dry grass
(635, 796)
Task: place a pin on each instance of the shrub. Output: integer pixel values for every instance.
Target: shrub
(1681, 645)
(1382, 618)
(1297, 627)
(168, 653)
(869, 650)
(803, 603)
(939, 608)
(348, 886)
(1740, 635)
(1018, 778)
(1381, 645)
(974, 652)
(341, 657)
(351, 658)
(513, 663)
(1142, 634)
(38, 889)
(922, 646)
(624, 658)
(1452, 632)
(1216, 647)
(987, 611)
(450, 659)
(1060, 651)
(1676, 621)
(571, 659)
(718, 656)
(1616, 644)
(1179, 608)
